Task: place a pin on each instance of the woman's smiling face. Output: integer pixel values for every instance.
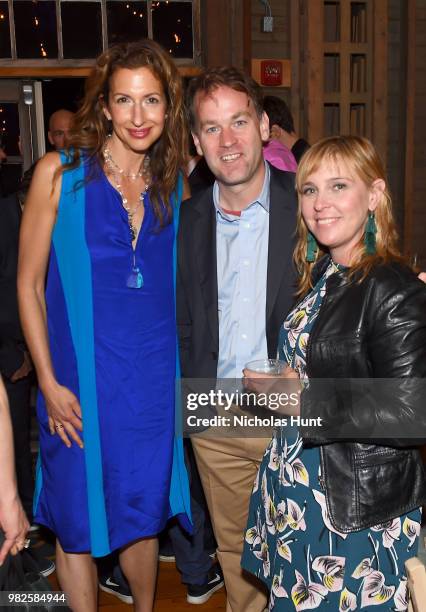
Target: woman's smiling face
(335, 203)
(136, 107)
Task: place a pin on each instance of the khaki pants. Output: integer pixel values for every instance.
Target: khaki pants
(228, 467)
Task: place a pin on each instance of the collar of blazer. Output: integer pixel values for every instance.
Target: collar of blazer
(282, 219)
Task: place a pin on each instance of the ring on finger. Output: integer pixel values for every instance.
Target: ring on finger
(59, 426)
(27, 543)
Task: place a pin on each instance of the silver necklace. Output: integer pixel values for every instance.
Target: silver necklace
(142, 172)
(135, 279)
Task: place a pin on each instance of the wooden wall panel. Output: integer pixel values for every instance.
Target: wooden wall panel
(274, 45)
(224, 26)
(396, 107)
(415, 184)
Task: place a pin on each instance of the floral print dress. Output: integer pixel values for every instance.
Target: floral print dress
(289, 542)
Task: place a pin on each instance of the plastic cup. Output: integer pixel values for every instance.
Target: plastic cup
(272, 367)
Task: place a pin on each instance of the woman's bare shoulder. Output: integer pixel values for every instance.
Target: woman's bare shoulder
(48, 164)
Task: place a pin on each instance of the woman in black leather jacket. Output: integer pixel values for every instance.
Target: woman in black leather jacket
(335, 511)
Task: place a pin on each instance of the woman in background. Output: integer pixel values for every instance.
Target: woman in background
(13, 521)
(101, 221)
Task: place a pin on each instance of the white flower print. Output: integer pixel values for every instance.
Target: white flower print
(274, 457)
(295, 325)
(277, 589)
(364, 568)
(294, 516)
(307, 596)
(391, 532)
(280, 518)
(333, 569)
(253, 537)
(270, 515)
(296, 472)
(374, 590)
(347, 601)
(411, 529)
(320, 498)
(283, 549)
(263, 555)
(401, 596)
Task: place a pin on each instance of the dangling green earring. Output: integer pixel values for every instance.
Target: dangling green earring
(311, 248)
(370, 235)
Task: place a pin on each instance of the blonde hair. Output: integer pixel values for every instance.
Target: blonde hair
(362, 158)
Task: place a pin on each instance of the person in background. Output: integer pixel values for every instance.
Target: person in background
(277, 153)
(281, 126)
(13, 521)
(3, 158)
(60, 124)
(336, 508)
(100, 222)
(15, 362)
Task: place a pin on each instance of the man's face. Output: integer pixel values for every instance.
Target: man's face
(59, 127)
(229, 134)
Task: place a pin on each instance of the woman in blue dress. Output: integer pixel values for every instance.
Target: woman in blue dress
(100, 221)
(335, 510)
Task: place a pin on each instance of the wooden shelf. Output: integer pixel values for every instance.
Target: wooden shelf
(341, 86)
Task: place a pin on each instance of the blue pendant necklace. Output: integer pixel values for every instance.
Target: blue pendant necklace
(135, 278)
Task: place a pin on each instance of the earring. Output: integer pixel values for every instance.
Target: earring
(311, 248)
(370, 235)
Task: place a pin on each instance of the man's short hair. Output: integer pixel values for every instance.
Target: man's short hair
(278, 113)
(224, 76)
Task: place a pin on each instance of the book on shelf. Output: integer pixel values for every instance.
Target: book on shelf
(358, 22)
(357, 119)
(358, 73)
(331, 21)
(331, 119)
(331, 72)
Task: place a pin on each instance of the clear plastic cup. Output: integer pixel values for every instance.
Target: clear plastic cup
(272, 367)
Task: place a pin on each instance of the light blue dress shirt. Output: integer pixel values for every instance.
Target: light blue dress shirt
(242, 265)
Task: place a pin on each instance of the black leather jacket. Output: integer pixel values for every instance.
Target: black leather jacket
(373, 329)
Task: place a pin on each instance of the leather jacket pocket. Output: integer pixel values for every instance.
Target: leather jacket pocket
(388, 482)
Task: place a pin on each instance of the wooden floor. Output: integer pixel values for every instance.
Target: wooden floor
(171, 595)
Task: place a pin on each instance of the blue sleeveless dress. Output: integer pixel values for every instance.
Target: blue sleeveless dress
(114, 347)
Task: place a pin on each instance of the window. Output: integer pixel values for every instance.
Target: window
(5, 49)
(35, 29)
(73, 32)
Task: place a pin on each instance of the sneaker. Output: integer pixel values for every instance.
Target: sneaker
(167, 558)
(200, 593)
(45, 566)
(108, 584)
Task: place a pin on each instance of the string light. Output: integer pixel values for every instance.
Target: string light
(2, 16)
(177, 38)
(36, 21)
(43, 50)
